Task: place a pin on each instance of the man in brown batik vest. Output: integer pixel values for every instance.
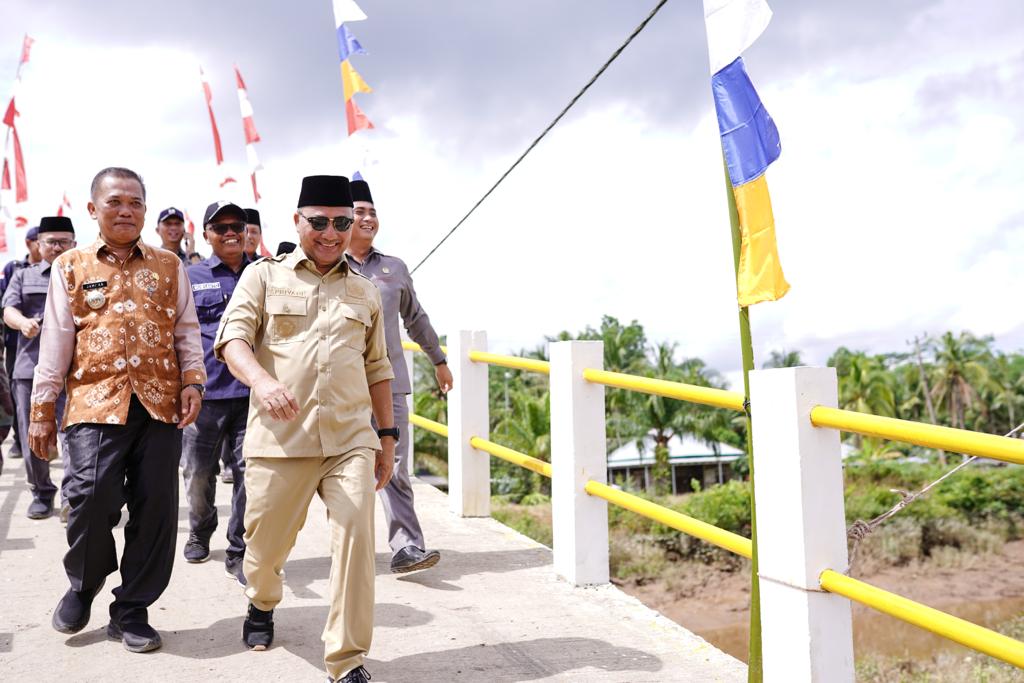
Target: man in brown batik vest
(120, 331)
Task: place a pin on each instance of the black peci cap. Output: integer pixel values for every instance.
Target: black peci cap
(325, 190)
(361, 191)
(252, 216)
(56, 224)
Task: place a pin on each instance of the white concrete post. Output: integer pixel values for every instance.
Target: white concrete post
(807, 634)
(578, 454)
(469, 470)
(406, 428)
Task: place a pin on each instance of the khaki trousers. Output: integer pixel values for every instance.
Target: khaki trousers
(279, 491)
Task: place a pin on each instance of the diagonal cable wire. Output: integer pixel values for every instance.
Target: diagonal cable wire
(554, 122)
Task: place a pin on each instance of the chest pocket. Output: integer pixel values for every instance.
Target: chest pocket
(286, 319)
(355, 322)
(210, 305)
(34, 296)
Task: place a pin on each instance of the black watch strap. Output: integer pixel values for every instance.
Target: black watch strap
(388, 431)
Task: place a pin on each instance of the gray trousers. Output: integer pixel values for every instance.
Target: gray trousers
(37, 471)
(403, 525)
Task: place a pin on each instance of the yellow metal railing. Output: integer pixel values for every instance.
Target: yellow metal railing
(515, 457)
(514, 362)
(670, 518)
(929, 436)
(429, 425)
(413, 346)
(958, 630)
(718, 398)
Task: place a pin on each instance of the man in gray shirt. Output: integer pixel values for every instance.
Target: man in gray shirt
(392, 278)
(24, 302)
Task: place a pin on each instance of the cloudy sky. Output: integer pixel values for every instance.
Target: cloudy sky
(897, 197)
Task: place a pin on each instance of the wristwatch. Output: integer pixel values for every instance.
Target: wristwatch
(199, 387)
(388, 431)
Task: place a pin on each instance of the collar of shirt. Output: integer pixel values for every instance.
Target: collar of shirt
(369, 255)
(298, 257)
(213, 261)
(44, 266)
(140, 247)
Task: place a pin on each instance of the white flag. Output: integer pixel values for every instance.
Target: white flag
(347, 10)
(733, 26)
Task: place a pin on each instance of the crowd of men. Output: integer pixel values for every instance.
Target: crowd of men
(276, 372)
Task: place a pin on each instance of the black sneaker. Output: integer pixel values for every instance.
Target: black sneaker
(233, 570)
(356, 675)
(410, 559)
(40, 509)
(258, 629)
(196, 550)
(72, 612)
(136, 636)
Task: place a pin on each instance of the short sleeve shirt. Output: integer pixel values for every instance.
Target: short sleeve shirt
(213, 283)
(322, 336)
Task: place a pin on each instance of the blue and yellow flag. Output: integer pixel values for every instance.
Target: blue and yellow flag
(750, 142)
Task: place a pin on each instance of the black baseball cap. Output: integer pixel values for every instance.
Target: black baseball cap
(170, 212)
(222, 208)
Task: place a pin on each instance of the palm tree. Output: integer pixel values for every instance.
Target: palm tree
(784, 359)
(527, 429)
(960, 370)
(866, 386)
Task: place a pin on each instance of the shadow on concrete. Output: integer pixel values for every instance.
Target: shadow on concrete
(10, 494)
(527, 660)
(296, 629)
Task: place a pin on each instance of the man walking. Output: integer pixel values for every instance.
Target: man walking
(24, 302)
(392, 278)
(305, 334)
(11, 336)
(170, 226)
(120, 332)
(221, 424)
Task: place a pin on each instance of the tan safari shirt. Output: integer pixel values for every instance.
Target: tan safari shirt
(322, 336)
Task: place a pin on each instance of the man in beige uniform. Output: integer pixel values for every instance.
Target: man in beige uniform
(306, 333)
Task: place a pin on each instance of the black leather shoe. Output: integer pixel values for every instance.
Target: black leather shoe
(410, 558)
(40, 509)
(356, 675)
(136, 636)
(258, 629)
(73, 610)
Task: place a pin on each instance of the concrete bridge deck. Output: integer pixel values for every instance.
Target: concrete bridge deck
(490, 611)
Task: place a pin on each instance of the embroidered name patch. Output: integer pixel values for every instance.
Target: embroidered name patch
(284, 291)
(200, 286)
(96, 284)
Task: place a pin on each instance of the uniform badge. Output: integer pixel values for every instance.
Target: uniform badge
(385, 270)
(95, 299)
(94, 296)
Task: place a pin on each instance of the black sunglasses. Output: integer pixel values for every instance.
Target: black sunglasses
(319, 223)
(237, 227)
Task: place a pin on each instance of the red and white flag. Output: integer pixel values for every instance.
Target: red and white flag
(189, 224)
(251, 135)
(213, 121)
(26, 48)
(64, 204)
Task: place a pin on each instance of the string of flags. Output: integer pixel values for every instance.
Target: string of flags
(217, 149)
(13, 140)
(750, 143)
(251, 135)
(351, 81)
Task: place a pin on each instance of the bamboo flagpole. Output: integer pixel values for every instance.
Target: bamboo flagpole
(750, 142)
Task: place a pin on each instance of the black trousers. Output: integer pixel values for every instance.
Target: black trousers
(110, 465)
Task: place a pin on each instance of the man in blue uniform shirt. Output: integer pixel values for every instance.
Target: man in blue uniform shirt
(11, 336)
(226, 403)
(24, 301)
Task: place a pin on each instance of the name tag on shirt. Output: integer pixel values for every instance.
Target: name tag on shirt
(95, 284)
(201, 286)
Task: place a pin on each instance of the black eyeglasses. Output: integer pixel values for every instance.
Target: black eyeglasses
(320, 223)
(64, 244)
(224, 228)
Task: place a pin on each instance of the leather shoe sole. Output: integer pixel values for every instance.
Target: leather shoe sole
(429, 559)
(146, 641)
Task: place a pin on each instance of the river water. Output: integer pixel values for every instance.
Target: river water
(880, 634)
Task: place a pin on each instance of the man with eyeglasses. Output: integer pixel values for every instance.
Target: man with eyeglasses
(221, 423)
(24, 303)
(11, 336)
(306, 334)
